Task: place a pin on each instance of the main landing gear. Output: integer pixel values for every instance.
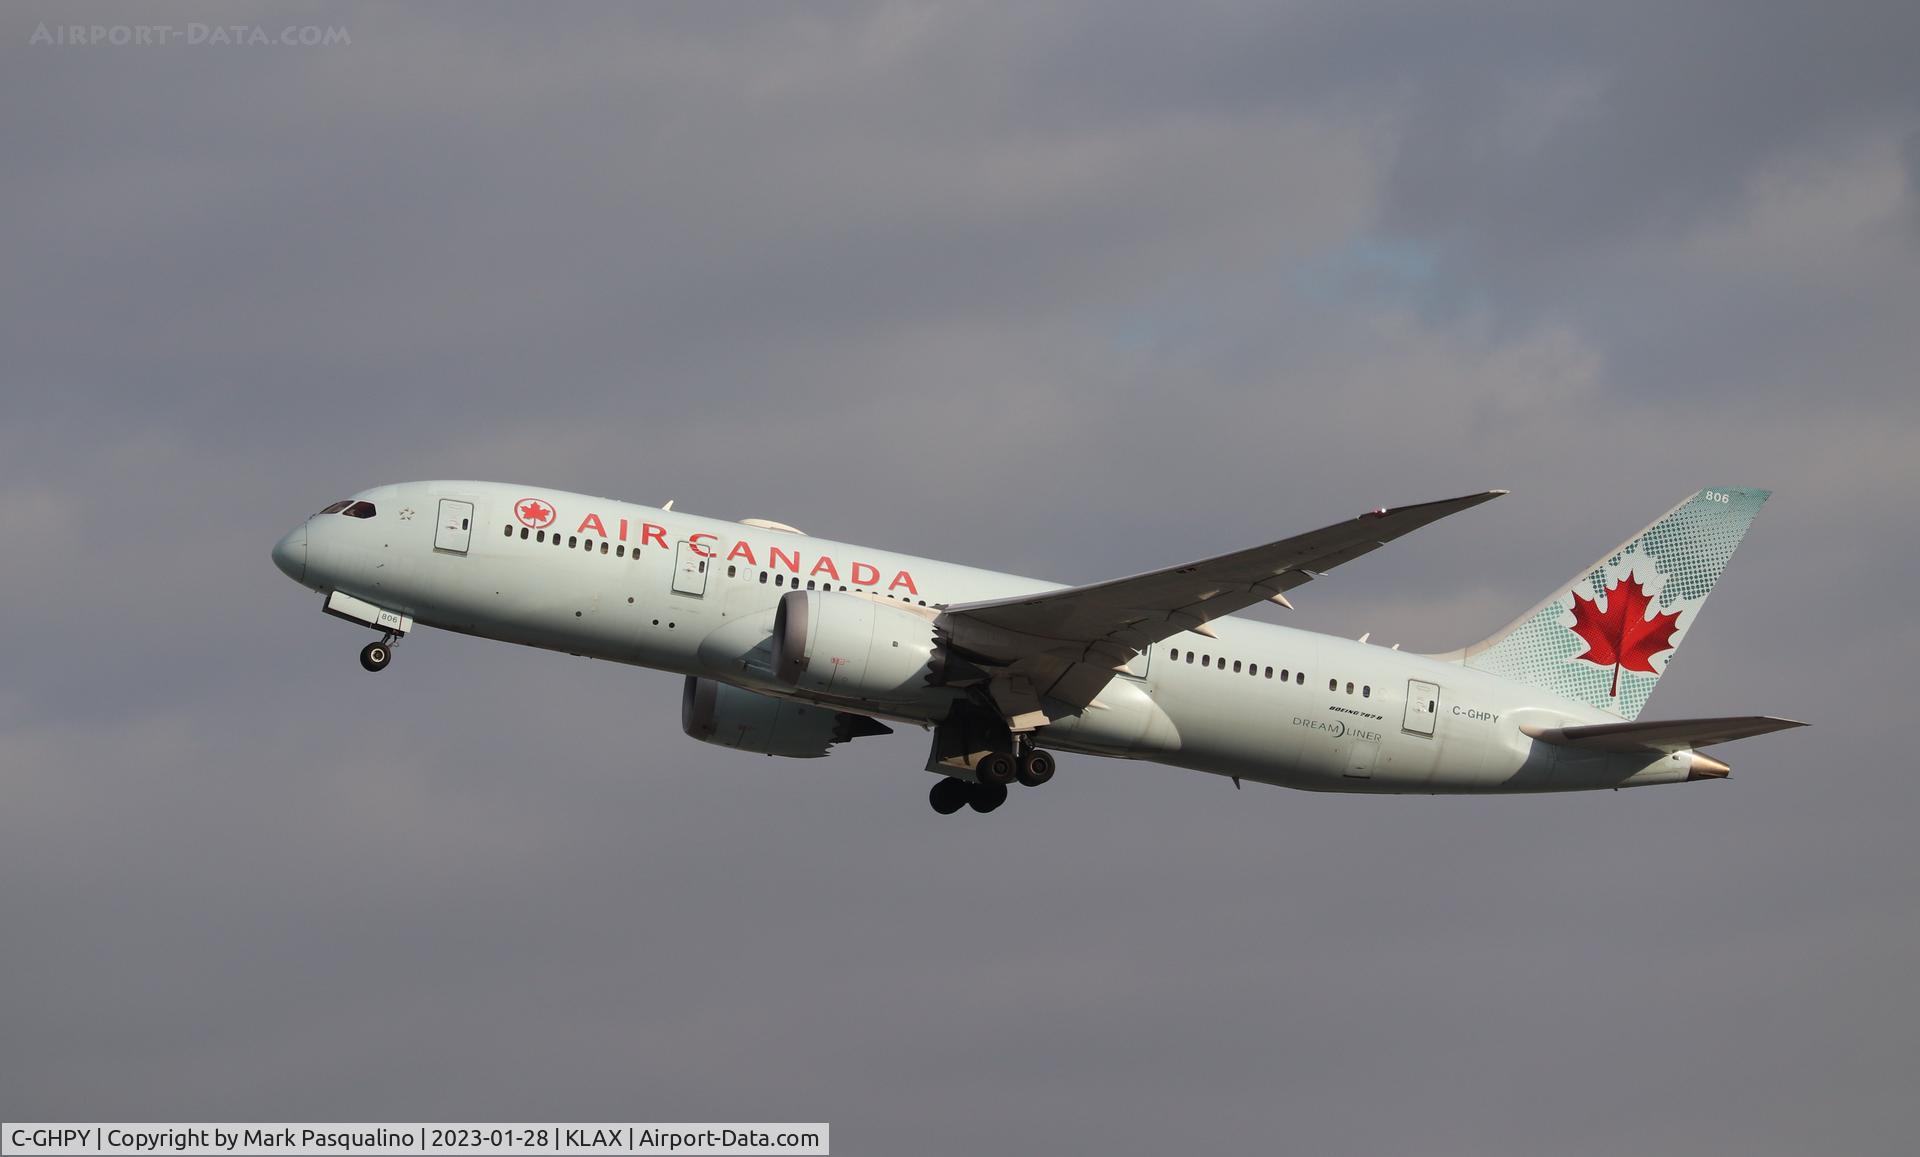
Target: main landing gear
(1034, 767)
(376, 656)
(949, 795)
(1031, 768)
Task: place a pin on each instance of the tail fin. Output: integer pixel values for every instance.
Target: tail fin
(1605, 637)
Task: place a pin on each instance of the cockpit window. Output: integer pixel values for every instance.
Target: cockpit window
(359, 510)
(338, 506)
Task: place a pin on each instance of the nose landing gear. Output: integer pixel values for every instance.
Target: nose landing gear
(376, 656)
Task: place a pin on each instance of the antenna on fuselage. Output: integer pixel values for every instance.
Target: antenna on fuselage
(669, 505)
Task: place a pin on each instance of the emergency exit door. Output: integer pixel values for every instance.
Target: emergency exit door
(689, 571)
(455, 529)
(1423, 706)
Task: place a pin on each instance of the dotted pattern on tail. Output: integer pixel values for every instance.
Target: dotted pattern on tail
(1677, 559)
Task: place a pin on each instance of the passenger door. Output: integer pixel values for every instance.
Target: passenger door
(455, 529)
(1423, 705)
(689, 571)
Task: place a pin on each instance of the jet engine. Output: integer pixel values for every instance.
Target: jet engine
(847, 646)
(720, 713)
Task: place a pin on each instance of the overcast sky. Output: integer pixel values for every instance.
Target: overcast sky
(1069, 289)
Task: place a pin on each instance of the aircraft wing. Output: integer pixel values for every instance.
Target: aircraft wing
(1067, 643)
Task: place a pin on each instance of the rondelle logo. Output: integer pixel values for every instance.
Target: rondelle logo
(534, 513)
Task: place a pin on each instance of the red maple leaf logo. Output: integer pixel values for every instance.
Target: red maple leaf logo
(534, 512)
(1622, 636)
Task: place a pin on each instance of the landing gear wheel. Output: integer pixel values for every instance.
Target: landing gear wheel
(996, 767)
(376, 656)
(948, 795)
(984, 797)
(1036, 768)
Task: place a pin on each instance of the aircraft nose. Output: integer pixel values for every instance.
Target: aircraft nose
(290, 554)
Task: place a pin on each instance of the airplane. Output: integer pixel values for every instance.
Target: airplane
(791, 645)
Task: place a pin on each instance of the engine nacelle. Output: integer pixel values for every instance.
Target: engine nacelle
(720, 713)
(832, 643)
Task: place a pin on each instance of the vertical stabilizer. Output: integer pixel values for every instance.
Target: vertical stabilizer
(1605, 638)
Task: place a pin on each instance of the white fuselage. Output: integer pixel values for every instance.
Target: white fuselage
(696, 596)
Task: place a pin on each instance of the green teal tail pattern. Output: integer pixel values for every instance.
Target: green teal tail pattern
(1605, 638)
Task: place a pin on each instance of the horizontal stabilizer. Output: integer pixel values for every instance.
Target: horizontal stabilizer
(1660, 734)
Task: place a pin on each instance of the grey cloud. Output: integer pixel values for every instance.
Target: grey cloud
(1070, 290)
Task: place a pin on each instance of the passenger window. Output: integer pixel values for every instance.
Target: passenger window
(1206, 660)
(1366, 692)
(509, 532)
(779, 580)
(542, 537)
(1300, 678)
(523, 534)
(620, 551)
(732, 570)
(1283, 674)
(1236, 666)
(1333, 684)
(1270, 673)
(603, 546)
(1173, 656)
(809, 584)
(1189, 658)
(573, 540)
(1349, 688)
(763, 578)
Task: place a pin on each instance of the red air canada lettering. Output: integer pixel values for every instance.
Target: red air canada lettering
(706, 545)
